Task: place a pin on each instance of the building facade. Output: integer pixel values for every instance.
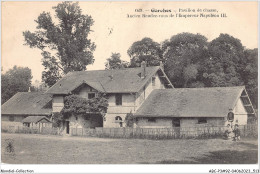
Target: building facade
(146, 92)
(121, 101)
(194, 107)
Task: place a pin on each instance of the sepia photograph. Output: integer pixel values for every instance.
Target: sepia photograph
(151, 84)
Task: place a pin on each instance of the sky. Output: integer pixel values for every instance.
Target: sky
(241, 22)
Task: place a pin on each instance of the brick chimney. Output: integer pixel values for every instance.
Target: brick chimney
(161, 65)
(143, 69)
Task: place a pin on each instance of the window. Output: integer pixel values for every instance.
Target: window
(91, 95)
(118, 99)
(118, 119)
(11, 118)
(176, 122)
(202, 120)
(153, 81)
(151, 120)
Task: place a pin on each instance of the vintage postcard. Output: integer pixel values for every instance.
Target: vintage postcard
(158, 85)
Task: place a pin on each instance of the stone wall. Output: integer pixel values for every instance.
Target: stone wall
(184, 122)
(193, 122)
(188, 122)
(158, 123)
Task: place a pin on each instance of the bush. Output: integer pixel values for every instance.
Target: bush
(129, 120)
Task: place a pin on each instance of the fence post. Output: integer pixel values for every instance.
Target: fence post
(244, 130)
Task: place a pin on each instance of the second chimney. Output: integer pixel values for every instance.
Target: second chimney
(161, 65)
(143, 69)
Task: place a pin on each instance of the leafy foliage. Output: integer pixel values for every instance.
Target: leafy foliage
(145, 50)
(76, 105)
(249, 74)
(17, 79)
(114, 62)
(191, 61)
(224, 65)
(68, 39)
(183, 55)
(129, 120)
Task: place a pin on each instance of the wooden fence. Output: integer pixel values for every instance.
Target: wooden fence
(249, 130)
(164, 133)
(27, 130)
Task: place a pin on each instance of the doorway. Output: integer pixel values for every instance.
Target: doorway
(176, 122)
(67, 124)
(176, 126)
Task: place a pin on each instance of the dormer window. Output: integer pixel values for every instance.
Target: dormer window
(118, 99)
(91, 95)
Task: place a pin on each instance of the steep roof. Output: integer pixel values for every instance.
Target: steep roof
(36, 119)
(28, 103)
(190, 102)
(110, 81)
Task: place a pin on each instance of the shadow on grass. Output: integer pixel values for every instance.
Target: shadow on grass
(219, 157)
(249, 145)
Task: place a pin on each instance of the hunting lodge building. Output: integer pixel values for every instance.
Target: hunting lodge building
(144, 91)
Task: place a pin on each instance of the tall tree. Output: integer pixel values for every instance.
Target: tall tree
(67, 40)
(249, 74)
(17, 79)
(145, 50)
(183, 55)
(225, 62)
(114, 62)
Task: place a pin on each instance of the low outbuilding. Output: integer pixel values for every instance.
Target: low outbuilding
(193, 107)
(24, 104)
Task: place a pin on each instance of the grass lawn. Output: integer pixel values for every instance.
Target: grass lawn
(47, 149)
